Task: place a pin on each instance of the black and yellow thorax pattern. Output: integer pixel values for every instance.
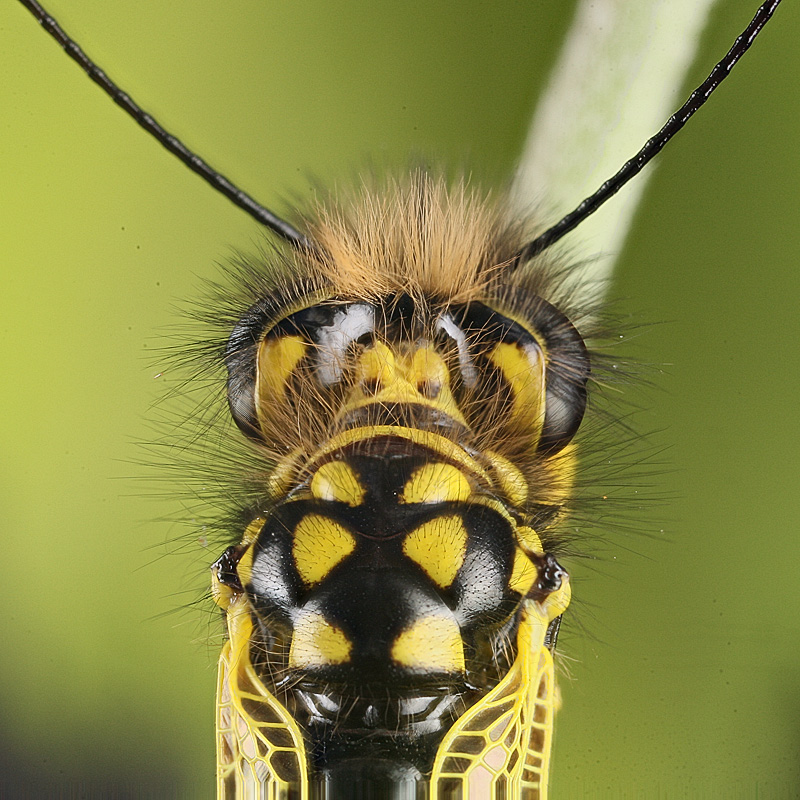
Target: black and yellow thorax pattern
(392, 606)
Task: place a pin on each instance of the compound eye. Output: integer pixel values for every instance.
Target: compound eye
(268, 360)
(529, 376)
(568, 370)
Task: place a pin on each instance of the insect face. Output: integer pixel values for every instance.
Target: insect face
(713, 255)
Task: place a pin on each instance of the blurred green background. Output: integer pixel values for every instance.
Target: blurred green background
(685, 679)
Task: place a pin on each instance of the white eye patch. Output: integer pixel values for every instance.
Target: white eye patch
(468, 372)
(348, 325)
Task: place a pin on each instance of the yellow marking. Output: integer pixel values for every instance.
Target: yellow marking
(283, 475)
(317, 643)
(260, 749)
(244, 569)
(438, 546)
(436, 483)
(252, 530)
(512, 481)
(527, 381)
(377, 365)
(433, 441)
(336, 481)
(319, 545)
(421, 378)
(529, 540)
(222, 594)
(523, 574)
(428, 372)
(505, 738)
(277, 359)
(431, 643)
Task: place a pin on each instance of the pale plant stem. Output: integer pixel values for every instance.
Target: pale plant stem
(618, 78)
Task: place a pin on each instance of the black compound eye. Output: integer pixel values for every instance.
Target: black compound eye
(319, 339)
(568, 370)
(498, 355)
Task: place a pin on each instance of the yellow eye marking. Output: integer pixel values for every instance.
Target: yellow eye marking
(438, 546)
(336, 481)
(436, 483)
(523, 573)
(319, 545)
(430, 643)
(277, 359)
(523, 368)
(317, 643)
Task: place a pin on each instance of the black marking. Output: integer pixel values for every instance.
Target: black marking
(550, 576)
(225, 567)
(551, 635)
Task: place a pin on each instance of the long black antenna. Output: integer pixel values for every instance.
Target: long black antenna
(654, 145)
(172, 143)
